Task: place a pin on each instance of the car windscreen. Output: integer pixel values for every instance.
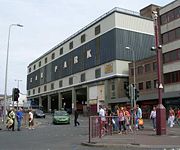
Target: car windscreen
(60, 113)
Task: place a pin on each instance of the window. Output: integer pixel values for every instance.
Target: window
(163, 19)
(39, 63)
(98, 73)
(147, 67)
(177, 13)
(177, 33)
(53, 56)
(61, 51)
(52, 86)
(45, 88)
(140, 85)
(60, 83)
(165, 38)
(29, 92)
(113, 89)
(140, 70)
(97, 30)
(30, 70)
(171, 36)
(171, 56)
(83, 38)
(154, 66)
(132, 71)
(70, 80)
(34, 67)
(71, 45)
(155, 84)
(39, 90)
(148, 84)
(33, 91)
(170, 16)
(83, 77)
(45, 60)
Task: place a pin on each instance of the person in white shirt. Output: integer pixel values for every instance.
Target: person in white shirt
(153, 117)
(31, 120)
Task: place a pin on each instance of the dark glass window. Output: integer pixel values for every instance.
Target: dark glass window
(52, 86)
(34, 67)
(148, 84)
(83, 38)
(29, 70)
(113, 94)
(53, 56)
(39, 90)
(154, 66)
(140, 85)
(177, 12)
(170, 15)
(132, 71)
(45, 60)
(71, 45)
(147, 67)
(39, 63)
(60, 83)
(33, 91)
(177, 33)
(70, 80)
(45, 88)
(83, 77)
(165, 38)
(97, 30)
(29, 92)
(140, 70)
(155, 83)
(98, 73)
(163, 19)
(61, 51)
(171, 36)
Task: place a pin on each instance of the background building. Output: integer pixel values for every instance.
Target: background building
(90, 67)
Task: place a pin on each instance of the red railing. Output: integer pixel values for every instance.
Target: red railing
(99, 128)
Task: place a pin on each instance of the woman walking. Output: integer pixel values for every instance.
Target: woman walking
(153, 117)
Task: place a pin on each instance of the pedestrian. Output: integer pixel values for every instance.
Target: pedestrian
(31, 120)
(153, 117)
(138, 116)
(122, 127)
(127, 120)
(19, 116)
(171, 117)
(102, 115)
(11, 119)
(76, 114)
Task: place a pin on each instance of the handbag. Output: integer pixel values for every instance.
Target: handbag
(141, 122)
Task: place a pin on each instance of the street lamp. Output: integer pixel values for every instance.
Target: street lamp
(160, 111)
(6, 73)
(134, 74)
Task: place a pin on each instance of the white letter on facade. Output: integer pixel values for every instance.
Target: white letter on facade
(89, 54)
(75, 59)
(65, 64)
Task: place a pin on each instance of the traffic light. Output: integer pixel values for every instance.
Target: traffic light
(136, 94)
(126, 88)
(15, 95)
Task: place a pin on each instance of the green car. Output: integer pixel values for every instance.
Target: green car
(61, 117)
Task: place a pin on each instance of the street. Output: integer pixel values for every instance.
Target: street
(47, 136)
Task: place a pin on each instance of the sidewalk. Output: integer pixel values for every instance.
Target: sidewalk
(145, 138)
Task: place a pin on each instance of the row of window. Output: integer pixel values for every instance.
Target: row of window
(144, 69)
(83, 39)
(148, 85)
(171, 56)
(172, 77)
(71, 81)
(170, 16)
(171, 36)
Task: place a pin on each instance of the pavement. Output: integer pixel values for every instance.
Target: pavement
(146, 139)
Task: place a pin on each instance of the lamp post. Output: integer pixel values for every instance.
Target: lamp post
(134, 74)
(160, 111)
(6, 73)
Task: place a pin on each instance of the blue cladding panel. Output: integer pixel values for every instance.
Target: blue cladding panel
(110, 46)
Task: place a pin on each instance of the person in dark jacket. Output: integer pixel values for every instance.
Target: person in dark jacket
(75, 118)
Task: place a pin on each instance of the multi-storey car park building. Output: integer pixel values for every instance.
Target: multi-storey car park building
(90, 67)
(169, 16)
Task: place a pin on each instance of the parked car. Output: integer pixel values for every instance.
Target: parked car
(61, 117)
(39, 114)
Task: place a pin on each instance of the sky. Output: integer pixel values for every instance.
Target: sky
(46, 23)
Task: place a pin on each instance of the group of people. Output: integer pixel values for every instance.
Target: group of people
(122, 119)
(18, 115)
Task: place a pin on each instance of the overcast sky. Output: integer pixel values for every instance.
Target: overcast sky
(47, 23)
